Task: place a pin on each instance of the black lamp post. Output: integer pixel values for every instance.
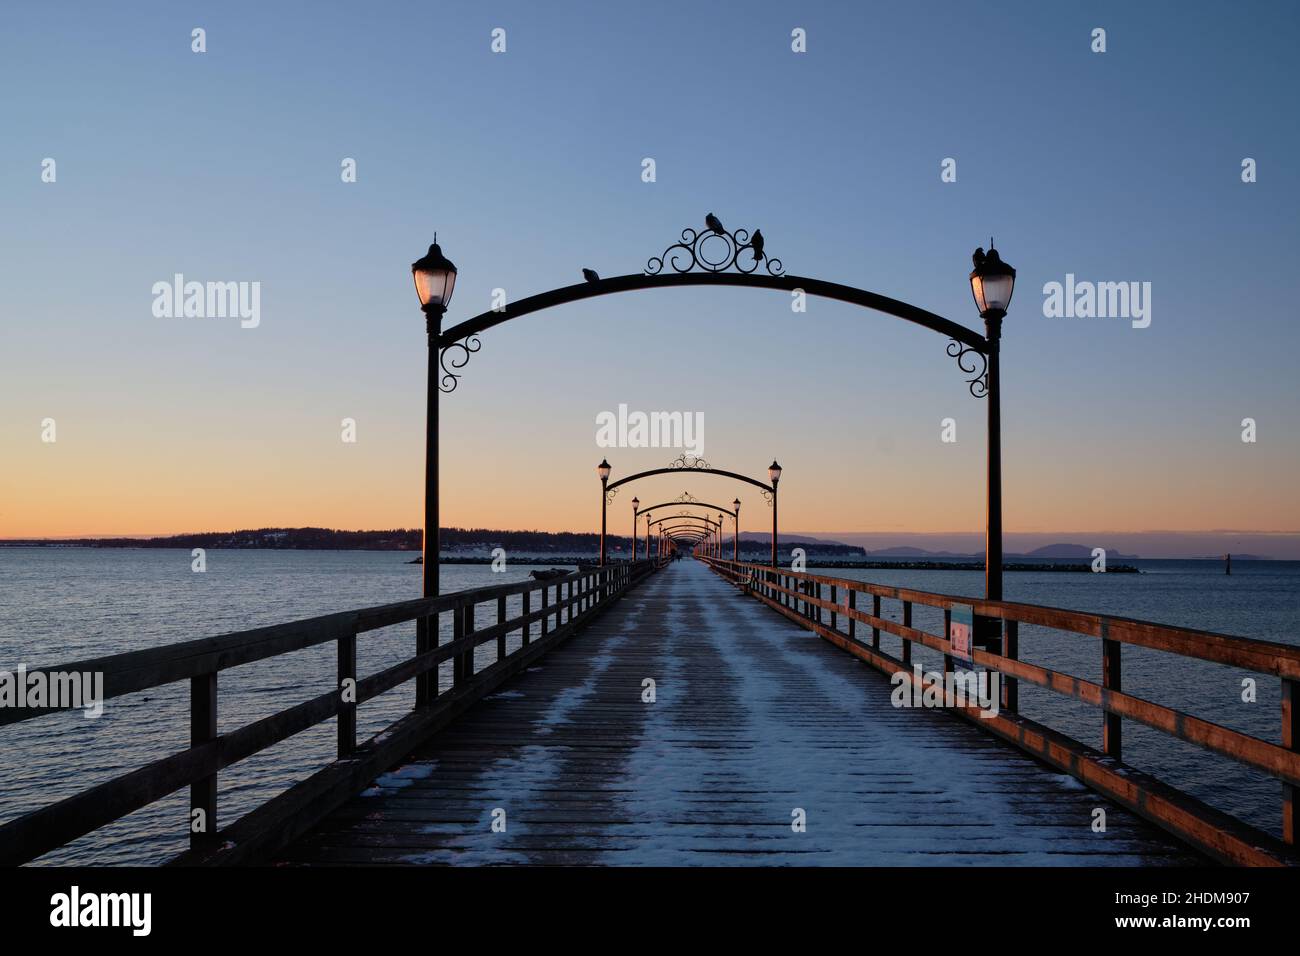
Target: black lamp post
(992, 282)
(735, 542)
(603, 470)
(636, 509)
(435, 278)
(774, 476)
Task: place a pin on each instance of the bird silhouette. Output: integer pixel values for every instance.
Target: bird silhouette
(714, 223)
(590, 275)
(978, 257)
(756, 243)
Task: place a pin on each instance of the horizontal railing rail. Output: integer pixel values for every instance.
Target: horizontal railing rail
(563, 604)
(821, 603)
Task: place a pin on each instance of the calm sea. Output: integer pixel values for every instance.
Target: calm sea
(61, 605)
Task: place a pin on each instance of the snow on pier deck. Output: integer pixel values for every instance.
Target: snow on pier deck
(754, 718)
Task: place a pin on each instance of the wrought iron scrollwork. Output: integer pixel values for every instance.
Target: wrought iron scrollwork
(610, 495)
(686, 498)
(450, 360)
(767, 496)
(972, 362)
(716, 249)
(685, 462)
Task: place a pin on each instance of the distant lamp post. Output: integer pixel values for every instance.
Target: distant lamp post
(735, 541)
(435, 278)
(719, 535)
(636, 510)
(603, 470)
(991, 282)
(774, 476)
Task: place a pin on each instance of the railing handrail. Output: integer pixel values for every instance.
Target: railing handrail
(39, 831)
(1283, 660)
(128, 672)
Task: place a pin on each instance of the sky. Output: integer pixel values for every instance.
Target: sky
(226, 166)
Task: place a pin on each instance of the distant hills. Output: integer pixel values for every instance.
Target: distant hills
(483, 540)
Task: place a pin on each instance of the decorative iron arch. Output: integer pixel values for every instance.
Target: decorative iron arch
(735, 262)
(684, 519)
(692, 464)
(694, 502)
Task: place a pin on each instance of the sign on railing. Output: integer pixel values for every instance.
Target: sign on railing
(961, 631)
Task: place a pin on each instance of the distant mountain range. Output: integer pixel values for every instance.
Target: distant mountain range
(1050, 551)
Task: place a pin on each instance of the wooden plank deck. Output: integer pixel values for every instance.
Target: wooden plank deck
(754, 718)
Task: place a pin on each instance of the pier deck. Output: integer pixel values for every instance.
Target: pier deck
(754, 719)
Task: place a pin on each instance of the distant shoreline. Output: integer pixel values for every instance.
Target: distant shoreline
(901, 562)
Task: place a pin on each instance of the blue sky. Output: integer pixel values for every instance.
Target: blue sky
(1122, 166)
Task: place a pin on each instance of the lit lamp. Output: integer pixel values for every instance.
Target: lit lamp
(636, 509)
(603, 470)
(991, 282)
(774, 475)
(735, 542)
(435, 278)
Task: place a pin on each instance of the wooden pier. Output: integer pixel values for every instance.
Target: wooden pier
(751, 723)
(693, 712)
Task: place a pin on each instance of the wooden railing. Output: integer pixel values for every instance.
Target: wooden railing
(563, 604)
(834, 608)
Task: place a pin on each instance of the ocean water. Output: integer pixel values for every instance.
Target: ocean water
(61, 605)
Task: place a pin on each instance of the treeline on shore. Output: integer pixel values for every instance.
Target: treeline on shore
(405, 539)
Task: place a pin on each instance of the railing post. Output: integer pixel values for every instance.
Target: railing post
(426, 639)
(1011, 648)
(1291, 741)
(834, 617)
(947, 658)
(1112, 737)
(907, 622)
(457, 632)
(467, 669)
(546, 603)
(853, 606)
(527, 607)
(875, 631)
(347, 674)
(501, 619)
(203, 729)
